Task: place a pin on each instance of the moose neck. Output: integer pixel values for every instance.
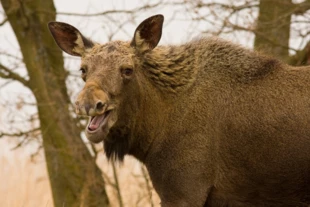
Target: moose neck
(164, 74)
(148, 110)
(167, 76)
(170, 68)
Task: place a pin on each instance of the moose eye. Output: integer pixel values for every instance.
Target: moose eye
(83, 73)
(126, 72)
(83, 70)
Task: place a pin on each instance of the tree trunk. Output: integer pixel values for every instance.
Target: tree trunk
(74, 176)
(273, 27)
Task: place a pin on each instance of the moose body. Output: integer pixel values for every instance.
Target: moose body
(214, 123)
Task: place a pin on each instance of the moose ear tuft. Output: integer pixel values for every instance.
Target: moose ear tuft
(69, 39)
(148, 34)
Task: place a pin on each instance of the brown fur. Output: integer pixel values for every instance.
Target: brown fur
(214, 123)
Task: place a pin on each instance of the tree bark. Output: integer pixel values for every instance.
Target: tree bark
(273, 27)
(74, 176)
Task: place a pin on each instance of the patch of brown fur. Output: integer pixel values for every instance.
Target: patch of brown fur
(175, 68)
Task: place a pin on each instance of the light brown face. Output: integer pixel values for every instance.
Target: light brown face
(105, 70)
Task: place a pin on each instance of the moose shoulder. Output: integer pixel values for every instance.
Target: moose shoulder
(214, 123)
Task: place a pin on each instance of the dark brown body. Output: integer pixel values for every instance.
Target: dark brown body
(215, 124)
(252, 149)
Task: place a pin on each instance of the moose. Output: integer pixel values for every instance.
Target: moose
(216, 124)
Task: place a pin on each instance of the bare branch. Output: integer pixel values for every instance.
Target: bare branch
(227, 6)
(26, 136)
(148, 184)
(10, 55)
(117, 187)
(9, 74)
(95, 14)
(302, 7)
(36, 153)
(301, 57)
(3, 22)
(107, 180)
(147, 6)
(7, 82)
(18, 134)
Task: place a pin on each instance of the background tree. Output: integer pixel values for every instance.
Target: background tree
(274, 27)
(74, 176)
(277, 27)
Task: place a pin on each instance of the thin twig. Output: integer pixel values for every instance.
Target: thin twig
(18, 134)
(3, 22)
(119, 196)
(9, 74)
(148, 6)
(148, 185)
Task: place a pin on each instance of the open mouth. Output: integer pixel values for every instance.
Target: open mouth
(97, 122)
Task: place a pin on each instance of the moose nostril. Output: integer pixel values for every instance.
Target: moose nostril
(87, 108)
(99, 105)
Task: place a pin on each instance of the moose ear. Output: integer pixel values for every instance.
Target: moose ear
(148, 33)
(69, 39)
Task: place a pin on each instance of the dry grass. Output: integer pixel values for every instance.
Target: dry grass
(133, 186)
(24, 183)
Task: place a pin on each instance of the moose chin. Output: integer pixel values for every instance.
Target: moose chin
(214, 123)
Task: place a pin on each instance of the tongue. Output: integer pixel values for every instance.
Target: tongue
(95, 122)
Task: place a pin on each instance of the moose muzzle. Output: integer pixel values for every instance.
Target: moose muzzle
(92, 100)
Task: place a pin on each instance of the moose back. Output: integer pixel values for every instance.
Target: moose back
(214, 123)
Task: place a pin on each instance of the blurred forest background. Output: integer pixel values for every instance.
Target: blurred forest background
(45, 159)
